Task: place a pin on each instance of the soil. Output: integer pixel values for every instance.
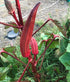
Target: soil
(57, 9)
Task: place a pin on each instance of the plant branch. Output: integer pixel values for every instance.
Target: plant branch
(14, 16)
(23, 72)
(45, 50)
(14, 57)
(41, 62)
(42, 26)
(19, 12)
(8, 25)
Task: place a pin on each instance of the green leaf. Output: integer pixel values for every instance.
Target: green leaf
(16, 30)
(55, 44)
(41, 44)
(68, 77)
(5, 55)
(6, 27)
(10, 49)
(65, 60)
(63, 45)
(68, 47)
(43, 36)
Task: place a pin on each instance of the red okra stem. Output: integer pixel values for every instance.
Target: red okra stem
(42, 26)
(8, 25)
(23, 72)
(42, 62)
(19, 12)
(14, 16)
(14, 57)
(45, 50)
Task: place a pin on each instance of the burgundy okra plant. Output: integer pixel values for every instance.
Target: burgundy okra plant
(26, 37)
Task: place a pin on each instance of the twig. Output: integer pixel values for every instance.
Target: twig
(42, 26)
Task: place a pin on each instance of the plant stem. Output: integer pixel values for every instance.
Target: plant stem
(19, 12)
(45, 50)
(42, 26)
(14, 57)
(23, 72)
(42, 62)
(14, 16)
(8, 25)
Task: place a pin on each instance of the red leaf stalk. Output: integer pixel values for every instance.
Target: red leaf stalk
(19, 12)
(9, 25)
(3, 51)
(27, 32)
(42, 26)
(24, 71)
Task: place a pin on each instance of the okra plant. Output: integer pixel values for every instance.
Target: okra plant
(28, 44)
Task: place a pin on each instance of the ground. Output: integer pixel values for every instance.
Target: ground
(57, 9)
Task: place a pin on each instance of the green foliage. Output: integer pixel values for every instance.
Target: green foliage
(10, 49)
(4, 54)
(63, 45)
(3, 72)
(68, 47)
(52, 69)
(65, 59)
(12, 71)
(68, 77)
